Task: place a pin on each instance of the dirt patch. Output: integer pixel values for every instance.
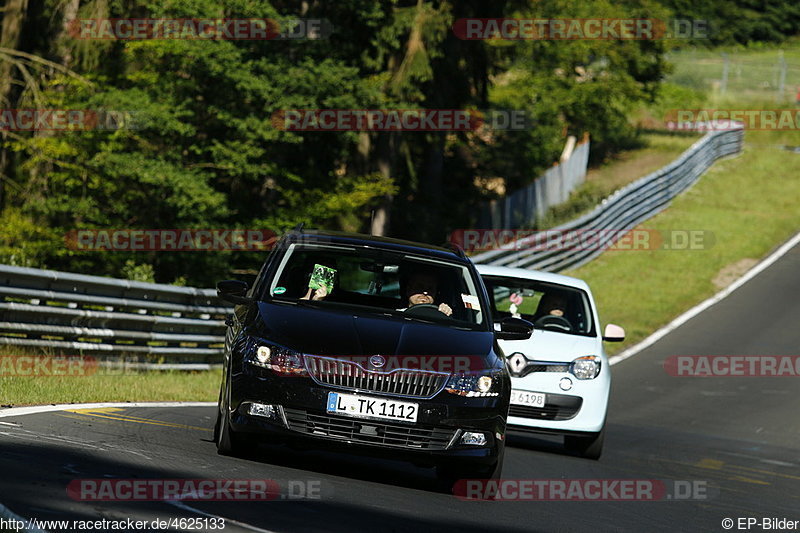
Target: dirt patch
(732, 272)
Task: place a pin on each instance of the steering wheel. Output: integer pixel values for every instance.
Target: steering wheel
(425, 311)
(553, 321)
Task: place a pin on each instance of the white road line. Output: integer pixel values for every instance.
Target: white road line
(228, 521)
(699, 308)
(35, 409)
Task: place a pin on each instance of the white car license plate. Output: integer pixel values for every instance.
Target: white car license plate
(523, 397)
(371, 407)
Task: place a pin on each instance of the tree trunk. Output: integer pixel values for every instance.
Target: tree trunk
(13, 18)
(63, 56)
(431, 187)
(385, 163)
(69, 13)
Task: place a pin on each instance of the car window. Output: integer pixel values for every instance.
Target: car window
(549, 306)
(380, 280)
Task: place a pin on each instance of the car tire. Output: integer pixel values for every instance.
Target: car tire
(227, 440)
(448, 476)
(587, 447)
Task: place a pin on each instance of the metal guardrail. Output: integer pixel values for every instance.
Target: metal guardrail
(73, 312)
(621, 211)
(65, 312)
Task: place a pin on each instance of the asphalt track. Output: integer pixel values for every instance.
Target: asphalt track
(739, 437)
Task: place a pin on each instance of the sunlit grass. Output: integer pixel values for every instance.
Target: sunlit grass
(749, 203)
(98, 384)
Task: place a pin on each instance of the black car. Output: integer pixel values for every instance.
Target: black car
(382, 345)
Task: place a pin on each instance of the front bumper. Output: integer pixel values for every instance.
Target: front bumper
(302, 417)
(580, 410)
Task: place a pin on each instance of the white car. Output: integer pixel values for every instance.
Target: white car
(560, 376)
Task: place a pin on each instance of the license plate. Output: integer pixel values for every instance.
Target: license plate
(371, 407)
(522, 397)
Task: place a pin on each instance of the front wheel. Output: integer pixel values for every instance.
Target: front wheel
(590, 447)
(227, 440)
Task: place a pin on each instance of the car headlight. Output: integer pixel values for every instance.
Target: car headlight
(587, 367)
(474, 385)
(276, 358)
(263, 354)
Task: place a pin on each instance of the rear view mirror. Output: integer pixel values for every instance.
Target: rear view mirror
(613, 333)
(379, 267)
(514, 329)
(233, 291)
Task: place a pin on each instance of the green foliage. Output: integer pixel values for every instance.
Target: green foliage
(24, 243)
(201, 148)
(134, 272)
(741, 21)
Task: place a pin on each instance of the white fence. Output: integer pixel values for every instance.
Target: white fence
(524, 206)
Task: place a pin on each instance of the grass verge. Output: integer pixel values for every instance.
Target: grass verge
(162, 386)
(749, 203)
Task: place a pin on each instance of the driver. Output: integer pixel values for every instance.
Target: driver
(422, 289)
(554, 305)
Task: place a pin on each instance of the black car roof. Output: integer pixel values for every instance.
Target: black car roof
(360, 239)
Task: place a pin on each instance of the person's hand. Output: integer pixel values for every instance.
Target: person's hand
(444, 308)
(320, 293)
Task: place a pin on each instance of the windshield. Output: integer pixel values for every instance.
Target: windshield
(379, 280)
(548, 306)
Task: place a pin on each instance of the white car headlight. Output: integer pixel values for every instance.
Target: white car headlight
(587, 367)
(473, 385)
(484, 383)
(281, 360)
(262, 354)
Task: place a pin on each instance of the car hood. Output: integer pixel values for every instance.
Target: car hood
(552, 346)
(335, 332)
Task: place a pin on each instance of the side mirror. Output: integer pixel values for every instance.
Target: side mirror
(233, 291)
(613, 333)
(514, 329)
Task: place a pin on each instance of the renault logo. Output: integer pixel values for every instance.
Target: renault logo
(516, 362)
(377, 361)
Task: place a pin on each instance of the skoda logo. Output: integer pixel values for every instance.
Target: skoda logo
(377, 361)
